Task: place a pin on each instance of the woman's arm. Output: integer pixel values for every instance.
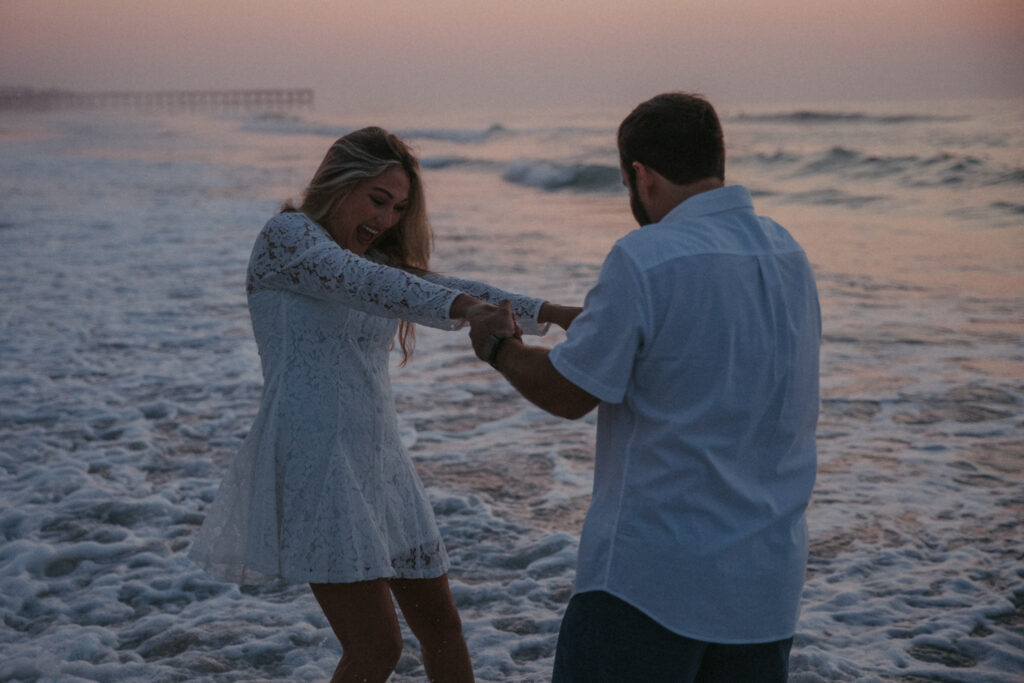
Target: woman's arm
(526, 309)
(557, 314)
(295, 254)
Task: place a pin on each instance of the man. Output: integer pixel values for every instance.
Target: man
(699, 343)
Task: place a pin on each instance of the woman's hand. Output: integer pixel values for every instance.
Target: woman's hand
(472, 310)
(468, 308)
(559, 315)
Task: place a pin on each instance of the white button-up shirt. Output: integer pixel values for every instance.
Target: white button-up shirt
(701, 340)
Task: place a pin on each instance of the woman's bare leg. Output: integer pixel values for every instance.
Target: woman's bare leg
(363, 618)
(430, 611)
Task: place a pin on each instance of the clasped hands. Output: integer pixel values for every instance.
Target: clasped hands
(489, 323)
(489, 327)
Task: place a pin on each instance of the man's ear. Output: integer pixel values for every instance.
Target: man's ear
(645, 177)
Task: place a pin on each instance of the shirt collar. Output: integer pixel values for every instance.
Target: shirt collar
(712, 201)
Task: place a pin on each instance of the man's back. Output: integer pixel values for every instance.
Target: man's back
(701, 339)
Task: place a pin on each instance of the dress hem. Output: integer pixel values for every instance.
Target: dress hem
(247, 576)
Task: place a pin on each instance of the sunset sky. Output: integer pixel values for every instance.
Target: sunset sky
(448, 53)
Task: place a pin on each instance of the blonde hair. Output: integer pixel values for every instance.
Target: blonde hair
(358, 156)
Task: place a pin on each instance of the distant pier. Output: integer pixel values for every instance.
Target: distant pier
(267, 99)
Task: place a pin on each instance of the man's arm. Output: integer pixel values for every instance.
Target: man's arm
(527, 368)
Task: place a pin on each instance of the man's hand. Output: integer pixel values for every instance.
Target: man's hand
(497, 323)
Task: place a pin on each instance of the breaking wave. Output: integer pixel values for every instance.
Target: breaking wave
(552, 177)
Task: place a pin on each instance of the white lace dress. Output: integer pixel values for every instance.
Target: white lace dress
(322, 489)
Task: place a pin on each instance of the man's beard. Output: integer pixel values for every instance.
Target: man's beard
(639, 212)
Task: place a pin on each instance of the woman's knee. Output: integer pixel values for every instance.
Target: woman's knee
(448, 620)
(429, 609)
(377, 642)
(440, 628)
(363, 618)
(378, 653)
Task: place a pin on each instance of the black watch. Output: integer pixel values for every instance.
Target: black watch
(494, 343)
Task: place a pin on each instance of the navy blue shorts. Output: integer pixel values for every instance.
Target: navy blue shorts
(606, 640)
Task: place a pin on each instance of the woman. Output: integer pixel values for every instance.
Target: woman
(322, 490)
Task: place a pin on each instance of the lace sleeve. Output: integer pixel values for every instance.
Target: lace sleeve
(526, 309)
(295, 254)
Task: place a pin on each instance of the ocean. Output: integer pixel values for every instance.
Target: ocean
(128, 378)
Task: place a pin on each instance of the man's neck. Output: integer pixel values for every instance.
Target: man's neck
(671, 195)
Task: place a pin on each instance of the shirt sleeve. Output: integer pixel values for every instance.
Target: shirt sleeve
(524, 308)
(603, 342)
(295, 254)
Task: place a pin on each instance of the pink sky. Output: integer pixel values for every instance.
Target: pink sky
(522, 52)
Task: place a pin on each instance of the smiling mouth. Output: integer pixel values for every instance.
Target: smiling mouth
(366, 234)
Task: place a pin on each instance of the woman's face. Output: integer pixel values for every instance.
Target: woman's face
(373, 207)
